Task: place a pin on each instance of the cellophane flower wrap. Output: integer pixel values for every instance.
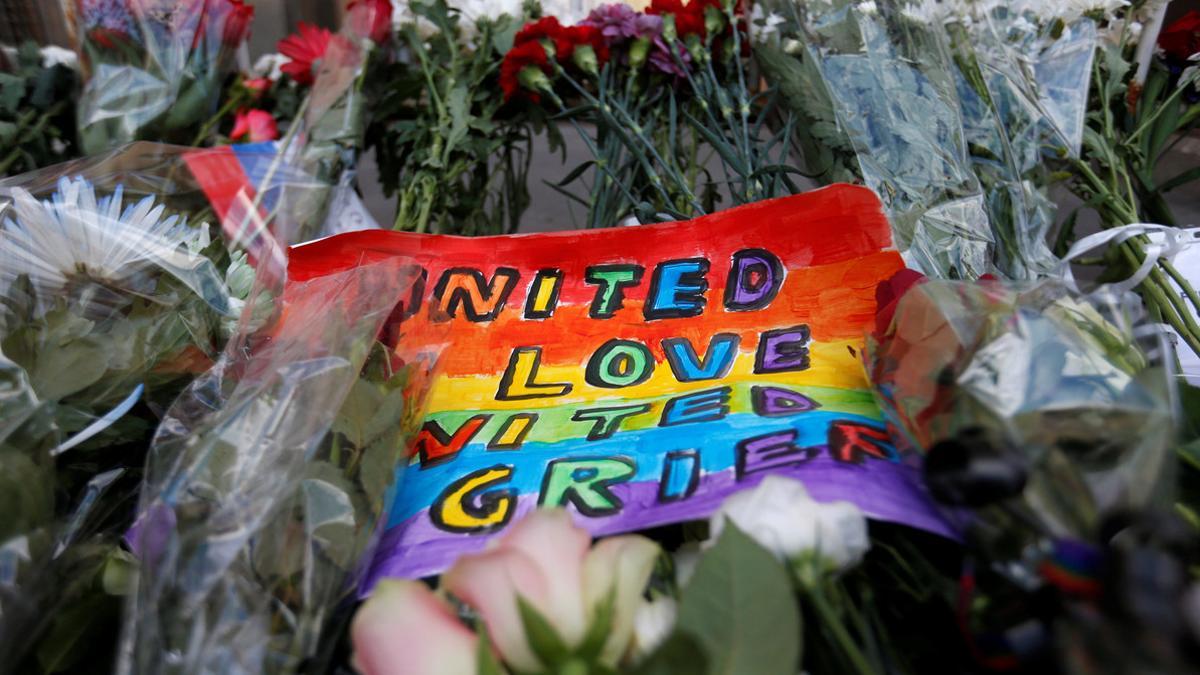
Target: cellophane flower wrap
(1068, 397)
(947, 110)
(153, 69)
(115, 291)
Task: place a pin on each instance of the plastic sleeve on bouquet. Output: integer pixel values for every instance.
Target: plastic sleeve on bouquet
(270, 478)
(153, 70)
(1061, 388)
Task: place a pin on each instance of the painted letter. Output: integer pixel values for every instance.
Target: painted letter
(606, 421)
(434, 446)
(543, 294)
(619, 363)
(513, 432)
(519, 379)
(584, 482)
(770, 452)
(783, 349)
(853, 443)
(755, 278)
(677, 289)
(718, 359)
(780, 402)
(681, 475)
(463, 286)
(467, 506)
(698, 406)
(612, 279)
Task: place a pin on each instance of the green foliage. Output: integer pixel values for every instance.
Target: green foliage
(455, 156)
(37, 114)
(737, 607)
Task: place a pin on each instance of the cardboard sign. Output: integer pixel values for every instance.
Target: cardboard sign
(638, 376)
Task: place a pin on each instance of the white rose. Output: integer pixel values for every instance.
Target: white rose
(652, 623)
(781, 517)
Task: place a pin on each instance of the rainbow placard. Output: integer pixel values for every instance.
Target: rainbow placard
(638, 376)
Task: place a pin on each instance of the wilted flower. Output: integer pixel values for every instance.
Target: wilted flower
(780, 516)
(403, 629)
(304, 48)
(545, 561)
(254, 126)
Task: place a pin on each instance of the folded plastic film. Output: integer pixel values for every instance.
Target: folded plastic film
(894, 98)
(1073, 392)
(153, 68)
(256, 521)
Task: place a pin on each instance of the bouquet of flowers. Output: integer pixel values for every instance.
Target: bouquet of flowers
(154, 69)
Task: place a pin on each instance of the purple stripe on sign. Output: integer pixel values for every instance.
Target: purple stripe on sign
(886, 491)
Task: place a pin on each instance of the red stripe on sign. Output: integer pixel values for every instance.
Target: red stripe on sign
(220, 175)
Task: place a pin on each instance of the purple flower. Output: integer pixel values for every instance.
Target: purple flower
(661, 59)
(618, 22)
(108, 14)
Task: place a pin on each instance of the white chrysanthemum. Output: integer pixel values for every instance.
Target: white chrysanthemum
(74, 243)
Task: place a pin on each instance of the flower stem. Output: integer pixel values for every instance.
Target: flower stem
(841, 636)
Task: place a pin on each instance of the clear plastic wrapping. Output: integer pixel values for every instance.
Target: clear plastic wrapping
(255, 521)
(1071, 393)
(153, 69)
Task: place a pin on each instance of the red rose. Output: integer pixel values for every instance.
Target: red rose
(237, 23)
(304, 48)
(371, 18)
(1182, 38)
(547, 28)
(518, 59)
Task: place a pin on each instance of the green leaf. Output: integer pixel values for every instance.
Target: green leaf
(546, 643)
(680, 653)
(739, 606)
(1181, 179)
(488, 664)
(598, 630)
(12, 90)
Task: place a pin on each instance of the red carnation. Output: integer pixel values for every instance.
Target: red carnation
(547, 28)
(304, 48)
(590, 36)
(371, 18)
(1182, 38)
(518, 59)
(689, 18)
(237, 23)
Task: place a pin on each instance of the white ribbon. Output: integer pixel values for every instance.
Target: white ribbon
(101, 423)
(1167, 246)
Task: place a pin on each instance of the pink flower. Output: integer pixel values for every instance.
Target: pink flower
(404, 629)
(237, 23)
(257, 85)
(545, 560)
(255, 126)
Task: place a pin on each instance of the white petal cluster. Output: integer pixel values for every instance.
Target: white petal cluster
(75, 236)
(781, 516)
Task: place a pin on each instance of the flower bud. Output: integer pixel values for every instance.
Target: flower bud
(638, 51)
(533, 79)
(714, 20)
(668, 28)
(585, 57)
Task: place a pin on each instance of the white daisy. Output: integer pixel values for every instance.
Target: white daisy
(97, 252)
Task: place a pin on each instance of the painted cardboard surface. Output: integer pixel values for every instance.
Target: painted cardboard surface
(638, 376)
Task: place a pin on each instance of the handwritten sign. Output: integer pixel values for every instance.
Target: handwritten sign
(638, 376)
